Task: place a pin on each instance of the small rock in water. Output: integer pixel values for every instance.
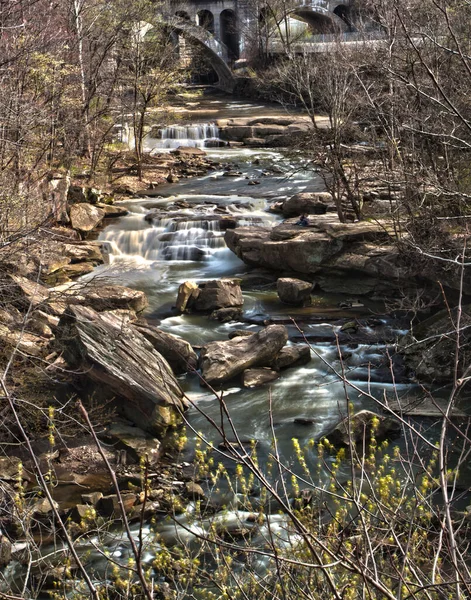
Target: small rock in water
(254, 182)
(258, 377)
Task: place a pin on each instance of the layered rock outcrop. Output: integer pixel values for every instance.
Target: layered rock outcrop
(121, 360)
(340, 257)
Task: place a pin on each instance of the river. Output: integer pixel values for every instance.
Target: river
(159, 255)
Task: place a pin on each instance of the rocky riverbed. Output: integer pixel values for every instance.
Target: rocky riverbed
(222, 288)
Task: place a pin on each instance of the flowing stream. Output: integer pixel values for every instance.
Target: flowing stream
(183, 240)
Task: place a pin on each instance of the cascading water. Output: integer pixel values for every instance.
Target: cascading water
(195, 136)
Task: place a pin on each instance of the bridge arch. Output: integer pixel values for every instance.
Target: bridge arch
(212, 49)
(230, 33)
(206, 20)
(320, 20)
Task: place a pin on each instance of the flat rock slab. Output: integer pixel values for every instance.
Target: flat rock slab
(122, 361)
(101, 297)
(221, 361)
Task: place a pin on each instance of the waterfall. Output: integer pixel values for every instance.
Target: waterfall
(169, 238)
(196, 136)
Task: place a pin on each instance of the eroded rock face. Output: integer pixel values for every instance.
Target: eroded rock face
(125, 363)
(85, 217)
(221, 361)
(177, 352)
(294, 291)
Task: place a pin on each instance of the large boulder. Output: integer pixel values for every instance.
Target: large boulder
(177, 352)
(121, 360)
(221, 361)
(361, 427)
(85, 217)
(311, 203)
(294, 291)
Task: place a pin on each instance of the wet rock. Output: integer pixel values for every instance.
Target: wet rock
(177, 352)
(292, 356)
(217, 294)
(361, 426)
(225, 315)
(186, 292)
(254, 142)
(221, 361)
(85, 217)
(349, 327)
(294, 291)
(253, 378)
(232, 174)
(135, 442)
(311, 203)
(124, 363)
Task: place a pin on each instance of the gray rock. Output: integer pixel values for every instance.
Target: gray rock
(177, 352)
(124, 363)
(430, 349)
(221, 361)
(294, 291)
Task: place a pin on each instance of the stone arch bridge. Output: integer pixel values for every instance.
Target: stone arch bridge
(222, 28)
